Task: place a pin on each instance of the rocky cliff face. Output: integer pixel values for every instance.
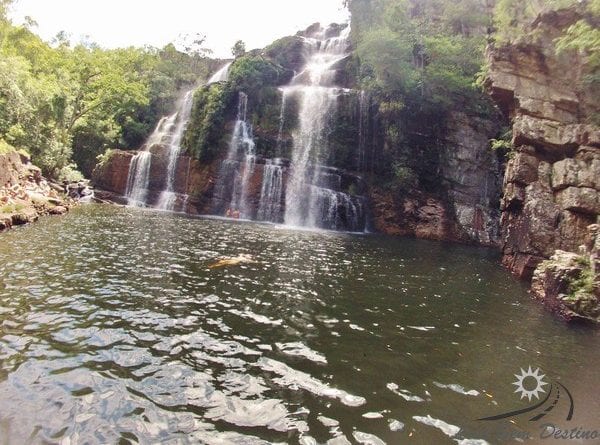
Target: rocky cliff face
(552, 182)
(464, 206)
(24, 194)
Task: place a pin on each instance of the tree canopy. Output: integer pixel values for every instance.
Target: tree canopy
(66, 104)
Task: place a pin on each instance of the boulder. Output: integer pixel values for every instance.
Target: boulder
(564, 284)
(24, 216)
(58, 210)
(5, 222)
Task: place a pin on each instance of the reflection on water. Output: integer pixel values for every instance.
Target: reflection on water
(114, 328)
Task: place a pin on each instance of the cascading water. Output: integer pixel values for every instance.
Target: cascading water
(221, 75)
(363, 129)
(238, 168)
(168, 132)
(138, 178)
(310, 202)
(270, 207)
(301, 191)
(179, 120)
(279, 146)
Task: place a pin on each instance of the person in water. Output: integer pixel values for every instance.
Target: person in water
(228, 213)
(236, 214)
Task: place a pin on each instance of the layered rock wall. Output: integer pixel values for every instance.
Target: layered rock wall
(552, 182)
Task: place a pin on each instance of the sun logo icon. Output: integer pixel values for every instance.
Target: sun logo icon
(530, 379)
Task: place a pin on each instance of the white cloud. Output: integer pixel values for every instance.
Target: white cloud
(118, 23)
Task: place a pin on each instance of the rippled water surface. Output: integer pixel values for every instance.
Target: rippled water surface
(115, 329)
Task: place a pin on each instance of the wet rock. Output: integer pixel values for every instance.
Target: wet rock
(470, 172)
(112, 174)
(431, 221)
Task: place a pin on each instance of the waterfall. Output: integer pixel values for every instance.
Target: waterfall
(301, 191)
(138, 178)
(167, 133)
(309, 200)
(279, 148)
(221, 75)
(336, 209)
(271, 193)
(238, 168)
(179, 120)
(363, 130)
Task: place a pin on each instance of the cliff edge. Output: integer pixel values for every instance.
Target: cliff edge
(551, 190)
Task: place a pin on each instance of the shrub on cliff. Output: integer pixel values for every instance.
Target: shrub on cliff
(287, 52)
(204, 135)
(252, 72)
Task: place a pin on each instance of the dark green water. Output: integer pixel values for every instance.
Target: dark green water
(115, 330)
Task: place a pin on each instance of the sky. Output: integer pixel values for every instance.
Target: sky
(119, 23)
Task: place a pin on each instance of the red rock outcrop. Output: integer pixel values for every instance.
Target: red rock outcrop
(192, 178)
(111, 174)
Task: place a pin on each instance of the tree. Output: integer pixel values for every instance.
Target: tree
(238, 49)
(67, 103)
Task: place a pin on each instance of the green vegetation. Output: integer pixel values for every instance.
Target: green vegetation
(503, 144)
(418, 60)
(238, 49)
(204, 134)
(257, 76)
(580, 297)
(5, 147)
(511, 17)
(67, 104)
(584, 283)
(421, 50)
(287, 51)
(252, 72)
(583, 37)
(422, 61)
(12, 208)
